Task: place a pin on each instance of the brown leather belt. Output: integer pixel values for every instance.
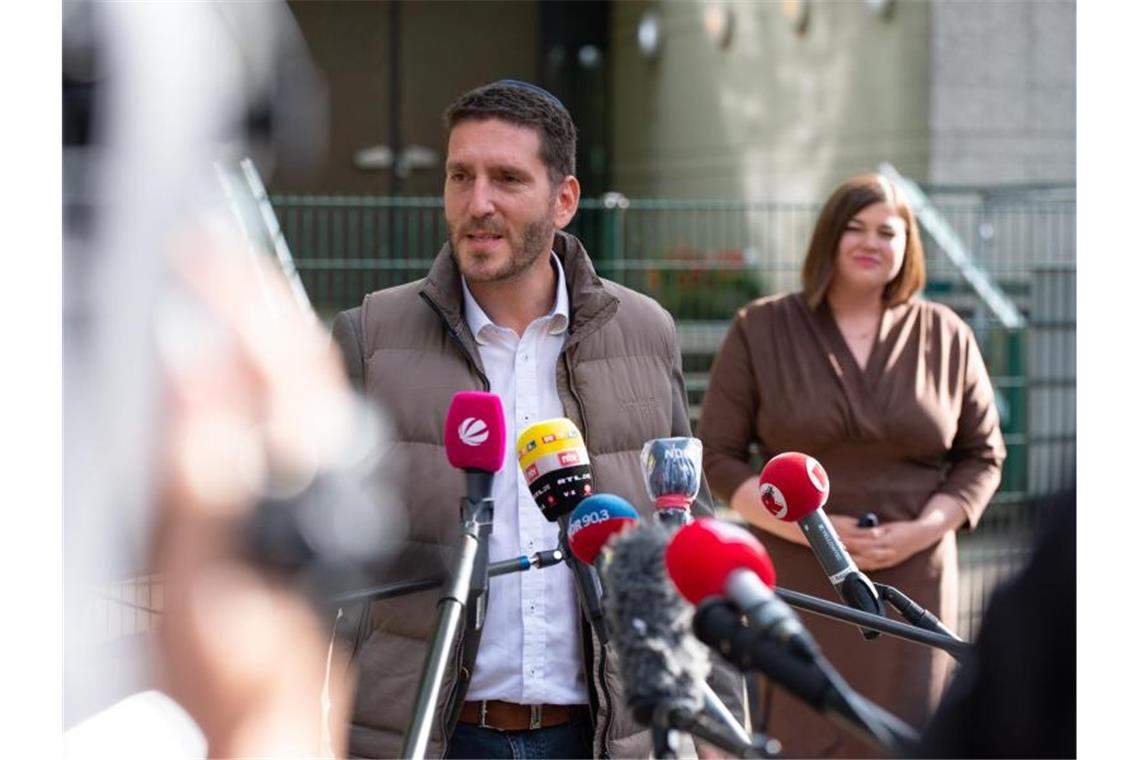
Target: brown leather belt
(508, 716)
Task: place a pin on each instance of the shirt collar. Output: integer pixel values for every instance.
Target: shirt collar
(478, 320)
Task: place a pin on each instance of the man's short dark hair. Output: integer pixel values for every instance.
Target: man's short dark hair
(524, 105)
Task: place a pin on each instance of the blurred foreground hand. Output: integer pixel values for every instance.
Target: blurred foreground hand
(255, 400)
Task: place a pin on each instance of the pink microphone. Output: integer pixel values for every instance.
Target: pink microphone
(475, 436)
(475, 433)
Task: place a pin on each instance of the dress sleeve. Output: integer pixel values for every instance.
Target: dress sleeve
(728, 414)
(978, 450)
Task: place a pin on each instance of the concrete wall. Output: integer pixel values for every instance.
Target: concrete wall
(446, 48)
(1002, 92)
(950, 91)
(776, 114)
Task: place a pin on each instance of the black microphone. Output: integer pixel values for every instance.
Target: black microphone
(719, 625)
(556, 465)
(708, 559)
(794, 488)
(301, 537)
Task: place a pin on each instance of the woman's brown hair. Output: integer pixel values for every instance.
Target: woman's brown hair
(849, 199)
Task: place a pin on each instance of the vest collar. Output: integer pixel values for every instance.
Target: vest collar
(591, 306)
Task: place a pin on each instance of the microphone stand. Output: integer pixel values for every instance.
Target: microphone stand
(589, 585)
(955, 647)
(467, 583)
(666, 740)
(717, 708)
(401, 588)
(914, 614)
(671, 716)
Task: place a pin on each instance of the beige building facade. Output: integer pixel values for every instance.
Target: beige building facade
(799, 95)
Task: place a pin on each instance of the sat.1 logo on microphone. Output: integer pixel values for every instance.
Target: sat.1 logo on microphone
(473, 431)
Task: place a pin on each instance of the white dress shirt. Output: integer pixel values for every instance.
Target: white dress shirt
(530, 651)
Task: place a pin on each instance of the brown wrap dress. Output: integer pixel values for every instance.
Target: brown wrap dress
(919, 419)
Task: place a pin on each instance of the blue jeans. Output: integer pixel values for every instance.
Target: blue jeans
(570, 740)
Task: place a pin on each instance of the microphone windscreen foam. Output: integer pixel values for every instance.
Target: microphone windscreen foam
(475, 432)
(556, 466)
(793, 485)
(594, 521)
(705, 552)
(650, 625)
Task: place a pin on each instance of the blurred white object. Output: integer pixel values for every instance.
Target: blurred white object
(411, 158)
(147, 725)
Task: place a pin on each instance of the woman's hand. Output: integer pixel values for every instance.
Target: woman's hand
(886, 545)
(893, 543)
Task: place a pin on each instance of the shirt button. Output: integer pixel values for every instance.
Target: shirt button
(532, 608)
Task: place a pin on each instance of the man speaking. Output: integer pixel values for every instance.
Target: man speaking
(511, 305)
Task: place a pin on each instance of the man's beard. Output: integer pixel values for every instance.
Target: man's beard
(532, 245)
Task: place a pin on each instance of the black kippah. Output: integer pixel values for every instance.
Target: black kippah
(533, 88)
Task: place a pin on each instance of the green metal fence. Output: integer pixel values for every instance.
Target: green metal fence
(704, 259)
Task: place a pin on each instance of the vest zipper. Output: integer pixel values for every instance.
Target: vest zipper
(451, 333)
(598, 673)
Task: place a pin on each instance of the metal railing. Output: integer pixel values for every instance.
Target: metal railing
(704, 259)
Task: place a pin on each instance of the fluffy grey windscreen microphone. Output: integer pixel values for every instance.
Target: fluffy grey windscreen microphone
(651, 625)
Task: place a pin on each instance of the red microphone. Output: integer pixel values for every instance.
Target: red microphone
(793, 485)
(793, 488)
(704, 553)
(709, 558)
(475, 437)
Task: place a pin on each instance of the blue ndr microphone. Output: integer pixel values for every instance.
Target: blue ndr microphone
(672, 471)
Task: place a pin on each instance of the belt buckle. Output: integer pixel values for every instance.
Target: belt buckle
(535, 716)
(483, 714)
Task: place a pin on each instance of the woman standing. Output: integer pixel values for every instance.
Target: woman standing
(890, 394)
